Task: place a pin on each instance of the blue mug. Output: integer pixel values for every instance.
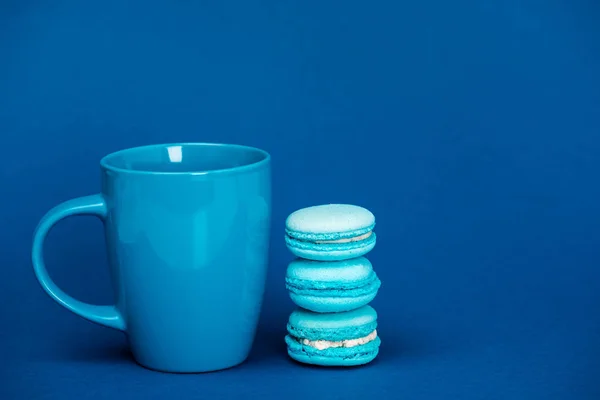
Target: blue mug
(187, 230)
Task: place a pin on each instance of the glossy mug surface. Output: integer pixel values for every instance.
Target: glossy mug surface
(187, 233)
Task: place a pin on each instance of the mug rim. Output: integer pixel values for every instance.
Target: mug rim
(266, 158)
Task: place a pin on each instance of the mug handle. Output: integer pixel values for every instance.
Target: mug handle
(88, 205)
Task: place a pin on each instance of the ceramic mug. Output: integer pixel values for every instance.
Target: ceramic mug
(187, 231)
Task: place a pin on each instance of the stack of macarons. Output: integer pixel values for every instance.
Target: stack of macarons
(332, 284)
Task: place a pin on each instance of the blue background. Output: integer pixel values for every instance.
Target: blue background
(471, 129)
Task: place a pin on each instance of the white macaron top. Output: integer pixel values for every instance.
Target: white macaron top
(330, 218)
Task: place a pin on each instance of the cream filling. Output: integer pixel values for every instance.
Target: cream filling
(328, 344)
(347, 240)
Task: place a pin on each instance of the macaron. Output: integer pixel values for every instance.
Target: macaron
(330, 232)
(333, 339)
(331, 286)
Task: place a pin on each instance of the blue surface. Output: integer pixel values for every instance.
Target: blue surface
(187, 234)
(469, 128)
(331, 286)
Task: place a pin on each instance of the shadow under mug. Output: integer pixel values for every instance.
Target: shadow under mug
(187, 231)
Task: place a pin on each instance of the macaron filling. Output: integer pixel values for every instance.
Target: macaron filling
(347, 240)
(333, 356)
(329, 344)
(328, 236)
(333, 245)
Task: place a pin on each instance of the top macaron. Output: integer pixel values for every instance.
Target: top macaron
(330, 232)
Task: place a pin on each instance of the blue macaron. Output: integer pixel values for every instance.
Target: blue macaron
(333, 339)
(331, 286)
(330, 232)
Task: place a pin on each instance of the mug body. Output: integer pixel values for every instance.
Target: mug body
(187, 231)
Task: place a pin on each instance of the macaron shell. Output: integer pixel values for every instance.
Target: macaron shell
(343, 333)
(331, 255)
(351, 270)
(333, 289)
(331, 304)
(307, 319)
(333, 362)
(330, 218)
